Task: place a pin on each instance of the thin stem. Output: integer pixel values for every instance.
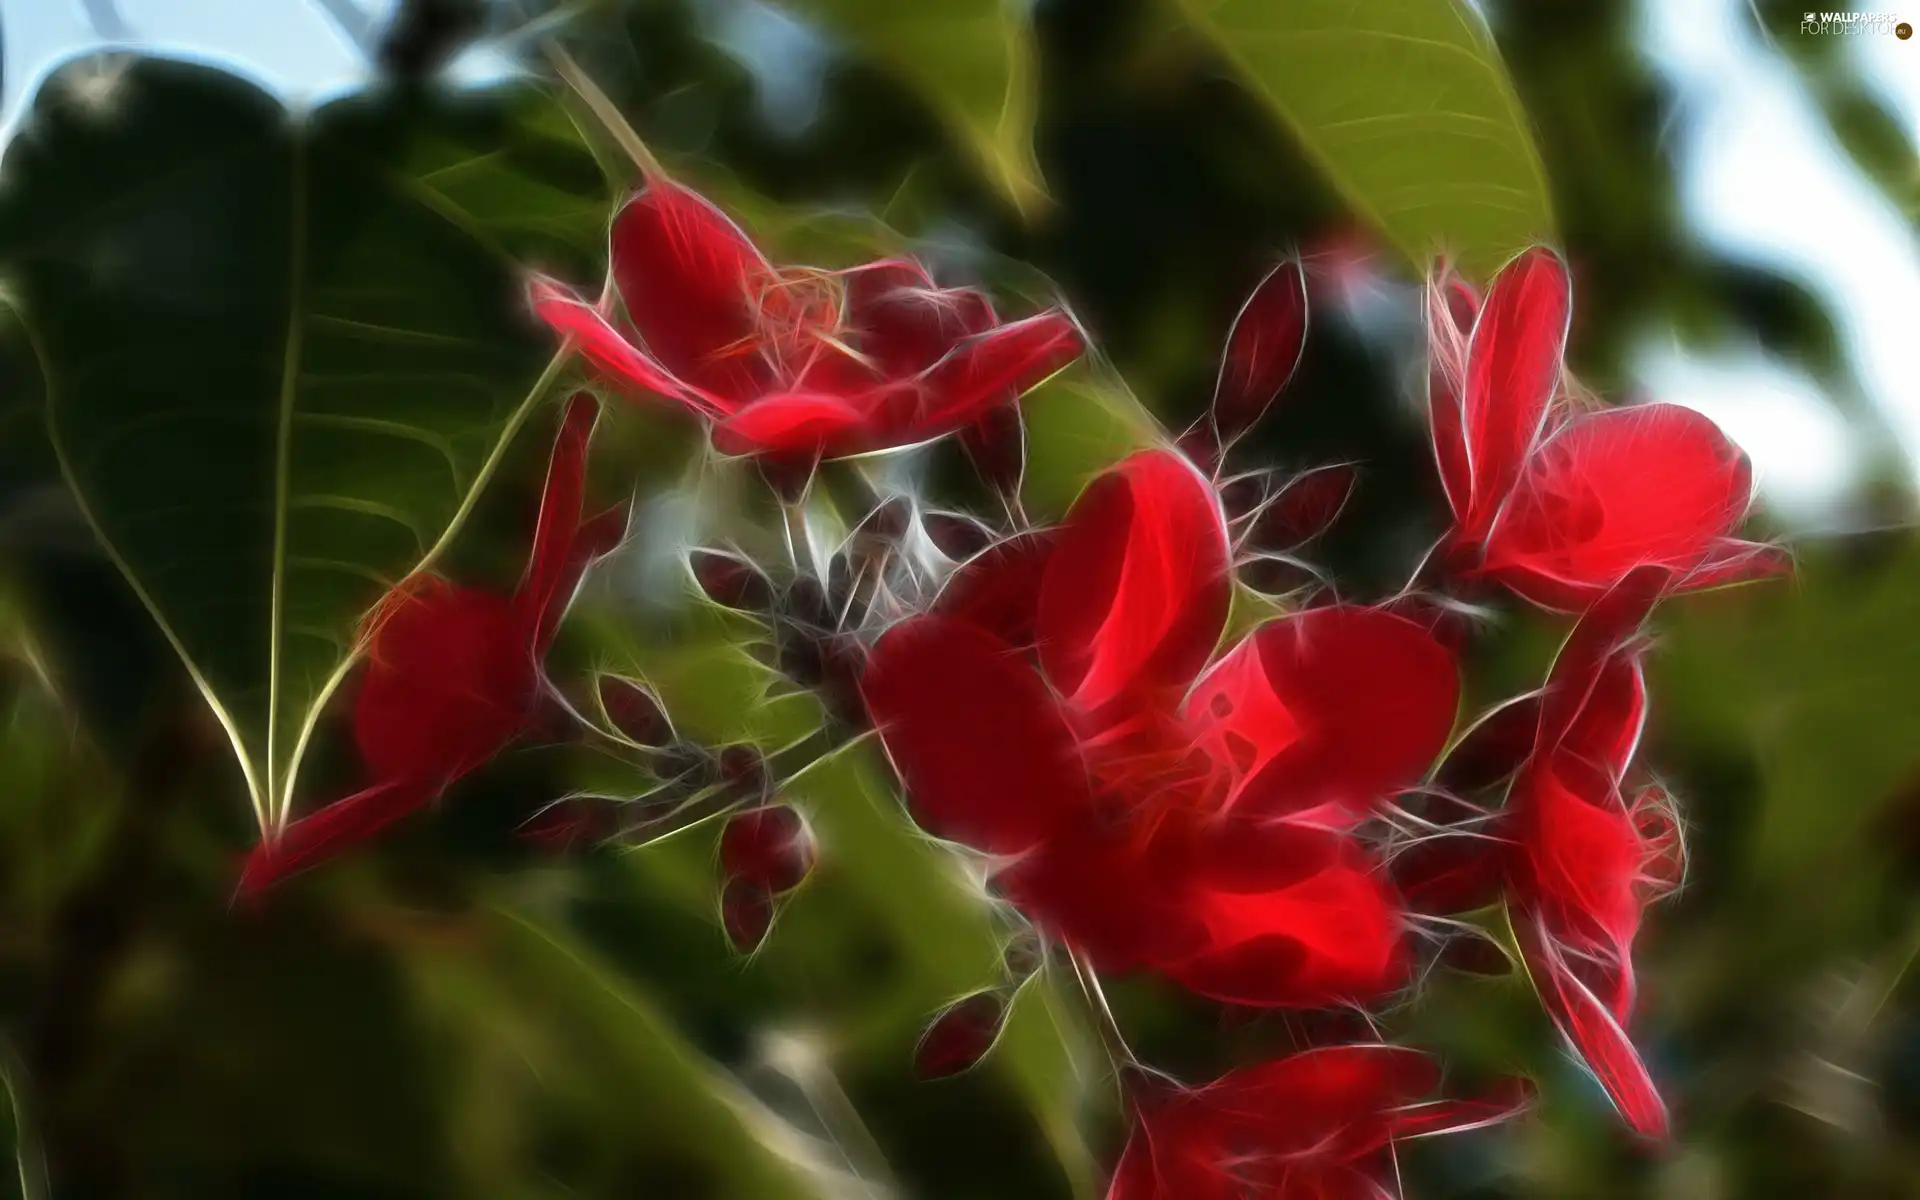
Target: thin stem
(1876, 999)
(31, 1160)
(793, 526)
(1111, 1039)
(604, 110)
(838, 1114)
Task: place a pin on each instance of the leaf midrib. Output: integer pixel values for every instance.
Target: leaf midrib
(278, 798)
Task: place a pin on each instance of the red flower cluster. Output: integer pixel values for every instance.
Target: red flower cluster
(1152, 804)
(1233, 817)
(793, 362)
(453, 673)
(1141, 806)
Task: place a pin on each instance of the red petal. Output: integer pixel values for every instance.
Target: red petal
(1649, 484)
(450, 679)
(960, 1036)
(1332, 937)
(1607, 729)
(987, 368)
(902, 322)
(1165, 1165)
(998, 590)
(1594, 1033)
(1513, 365)
(552, 568)
(768, 847)
(1241, 719)
(693, 284)
(979, 741)
(1597, 638)
(1334, 1183)
(1335, 1102)
(608, 349)
(337, 827)
(1446, 381)
(1120, 900)
(1263, 349)
(1374, 695)
(802, 423)
(1296, 1128)
(1579, 856)
(1137, 590)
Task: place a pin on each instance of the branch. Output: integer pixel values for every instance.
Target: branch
(108, 25)
(356, 25)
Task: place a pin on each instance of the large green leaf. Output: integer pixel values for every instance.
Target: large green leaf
(282, 356)
(973, 60)
(1407, 107)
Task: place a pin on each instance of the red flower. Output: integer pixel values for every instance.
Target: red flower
(1052, 712)
(453, 673)
(1579, 860)
(791, 361)
(1320, 1125)
(1586, 859)
(1560, 507)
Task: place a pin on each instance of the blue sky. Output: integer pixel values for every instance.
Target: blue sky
(1761, 180)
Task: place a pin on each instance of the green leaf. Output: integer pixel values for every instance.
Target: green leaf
(575, 1031)
(1078, 425)
(282, 357)
(1406, 106)
(973, 61)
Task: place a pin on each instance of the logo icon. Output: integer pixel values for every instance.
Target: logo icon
(1903, 31)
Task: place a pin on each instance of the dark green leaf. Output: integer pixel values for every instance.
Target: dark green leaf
(281, 357)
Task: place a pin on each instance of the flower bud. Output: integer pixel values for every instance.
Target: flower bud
(746, 913)
(731, 581)
(960, 1036)
(769, 847)
(634, 711)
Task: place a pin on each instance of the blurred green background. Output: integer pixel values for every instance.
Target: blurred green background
(456, 1014)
